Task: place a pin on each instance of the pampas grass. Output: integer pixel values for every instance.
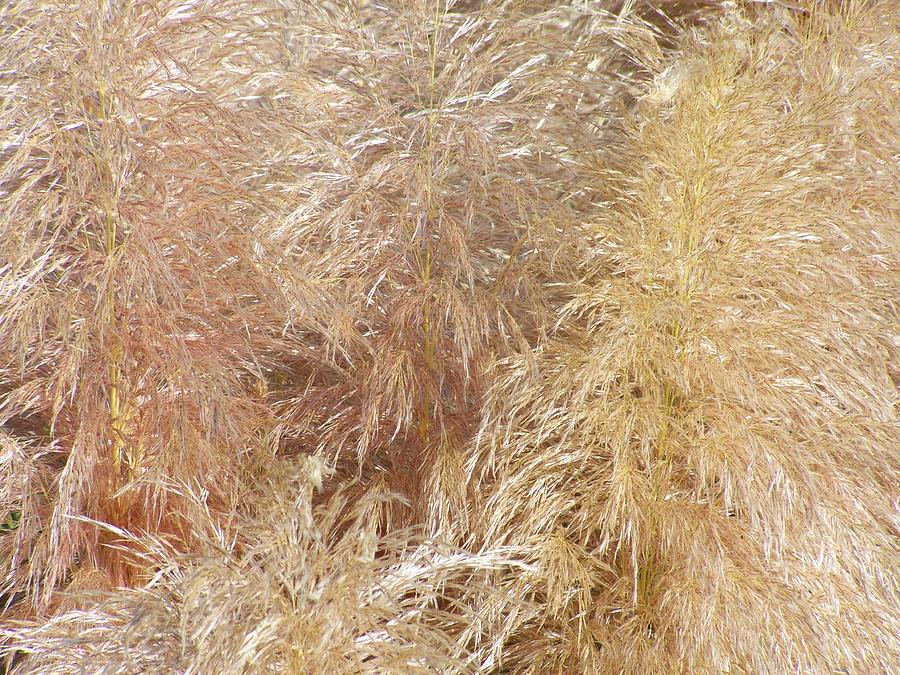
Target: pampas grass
(704, 454)
(284, 587)
(494, 336)
(133, 299)
(438, 154)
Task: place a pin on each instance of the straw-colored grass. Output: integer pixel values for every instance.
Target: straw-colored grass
(705, 453)
(282, 587)
(135, 300)
(425, 336)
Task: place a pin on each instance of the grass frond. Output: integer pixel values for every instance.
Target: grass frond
(286, 586)
(714, 419)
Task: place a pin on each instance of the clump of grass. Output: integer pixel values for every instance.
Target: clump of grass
(285, 586)
(297, 294)
(133, 297)
(236, 229)
(703, 455)
(438, 154)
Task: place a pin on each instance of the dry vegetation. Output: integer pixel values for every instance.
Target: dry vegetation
(425, 336)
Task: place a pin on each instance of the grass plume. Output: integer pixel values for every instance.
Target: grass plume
(285, 586)
(702, 453)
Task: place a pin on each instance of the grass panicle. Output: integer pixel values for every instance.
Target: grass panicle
(286, 586)
(702, 453)
(137, 308)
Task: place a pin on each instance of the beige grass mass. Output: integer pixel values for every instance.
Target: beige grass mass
(487, 336)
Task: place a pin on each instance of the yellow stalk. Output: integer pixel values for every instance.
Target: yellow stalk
(118, 408)
(425, 265)
(686, 245)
